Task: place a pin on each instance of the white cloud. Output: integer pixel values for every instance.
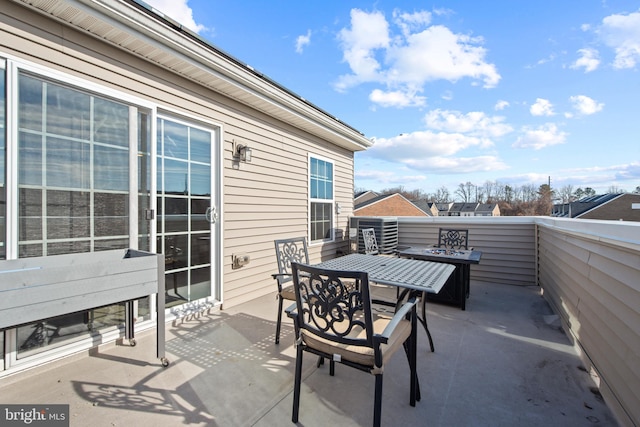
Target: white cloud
(585, 105)
(409, 22)
(588, 60)
(406, 60)
(474, 123)
(302, 41)
(434, 152)
(542, 107)
(179, 11)
(622, 33)
(540, 137)
(501, 105)
(396, 99)
(369, 32)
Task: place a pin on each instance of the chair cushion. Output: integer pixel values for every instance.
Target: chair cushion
(362, 354)
(288, 293)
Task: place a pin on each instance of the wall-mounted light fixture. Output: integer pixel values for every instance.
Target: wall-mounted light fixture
(338, 208)
(242, 152)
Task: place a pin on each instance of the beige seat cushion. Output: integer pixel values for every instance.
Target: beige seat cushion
(288, 293)
(362, 354)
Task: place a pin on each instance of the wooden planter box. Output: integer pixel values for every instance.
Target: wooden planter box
(34, 289)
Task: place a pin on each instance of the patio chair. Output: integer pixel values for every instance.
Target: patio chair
(451, 238)
(448, 238)
(337, 322)
(370, 242)
(288, 251)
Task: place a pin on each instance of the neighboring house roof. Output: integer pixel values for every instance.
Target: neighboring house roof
(469, 207)
(363, 196)
(134, 26)
(388, 205)
(487, 207)
(579, 207)
(456, 207)
(444, 207)
(429, 208)
(611, 206)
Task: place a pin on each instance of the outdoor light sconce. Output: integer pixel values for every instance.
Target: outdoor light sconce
(338, 209)
(242, 152)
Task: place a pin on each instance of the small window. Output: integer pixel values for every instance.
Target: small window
(321, 199)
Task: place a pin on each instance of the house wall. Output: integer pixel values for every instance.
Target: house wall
(263, 200)
(507, 244)
(590, 274)
(395, 205)
(617, 209)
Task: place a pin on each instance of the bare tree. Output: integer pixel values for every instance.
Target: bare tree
(442, 195)
(465, 191)
(615, 189)
(528, 193)
(566, 194)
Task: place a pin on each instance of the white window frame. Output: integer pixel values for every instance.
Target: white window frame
(330, 201)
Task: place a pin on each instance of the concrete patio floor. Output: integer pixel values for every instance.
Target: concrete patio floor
(502, 362)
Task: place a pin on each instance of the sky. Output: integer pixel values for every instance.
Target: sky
(514, 92)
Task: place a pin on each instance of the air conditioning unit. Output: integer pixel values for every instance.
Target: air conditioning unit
(386, 228)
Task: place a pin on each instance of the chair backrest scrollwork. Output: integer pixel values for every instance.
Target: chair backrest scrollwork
(453, 238)
(331, 308)
(289, 251)
(370, 242)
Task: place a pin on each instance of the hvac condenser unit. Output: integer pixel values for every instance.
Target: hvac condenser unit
(386, 228)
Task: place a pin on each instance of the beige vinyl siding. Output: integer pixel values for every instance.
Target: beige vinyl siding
(262, 201)
(507, 244)
(592, 279)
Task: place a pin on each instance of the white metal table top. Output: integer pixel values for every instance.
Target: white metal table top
(412, 274)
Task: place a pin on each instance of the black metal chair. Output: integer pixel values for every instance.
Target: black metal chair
(448, 238)
(336, 321)
(288, 251)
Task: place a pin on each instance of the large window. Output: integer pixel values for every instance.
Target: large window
(74, 191)
(321, 199)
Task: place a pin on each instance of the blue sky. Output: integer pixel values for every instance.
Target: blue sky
(454, 91)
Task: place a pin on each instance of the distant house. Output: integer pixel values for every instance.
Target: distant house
(488, 209)
(611, 206)
(443, 208)
(463, 209)
(430, 208)
(387, 205)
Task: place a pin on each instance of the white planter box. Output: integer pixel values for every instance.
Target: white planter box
(38, 288)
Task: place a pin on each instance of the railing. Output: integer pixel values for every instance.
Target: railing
(588, 271)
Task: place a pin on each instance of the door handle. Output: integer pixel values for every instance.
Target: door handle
(211, 214)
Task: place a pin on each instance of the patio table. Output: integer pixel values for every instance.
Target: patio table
(458, 290)
(416, 275)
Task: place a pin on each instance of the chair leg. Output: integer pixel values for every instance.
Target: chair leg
(377, 404)
(332, 367)
(423, 320)
(296, 385)
(279, 321)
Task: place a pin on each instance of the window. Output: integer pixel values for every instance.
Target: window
(73, 170)
(74, 192)
(321, 199)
